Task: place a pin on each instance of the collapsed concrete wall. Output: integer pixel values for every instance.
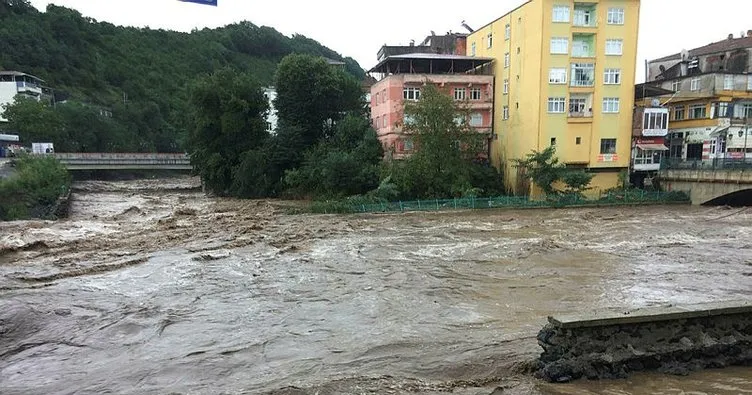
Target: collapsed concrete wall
(673, 340)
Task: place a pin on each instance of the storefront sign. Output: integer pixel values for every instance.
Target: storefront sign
(608, 158)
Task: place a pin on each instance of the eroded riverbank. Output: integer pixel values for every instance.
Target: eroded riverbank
(150, 287)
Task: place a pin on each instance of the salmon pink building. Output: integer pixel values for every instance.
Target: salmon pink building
(403, 77)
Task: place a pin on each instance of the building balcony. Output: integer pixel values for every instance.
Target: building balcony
(28, 88)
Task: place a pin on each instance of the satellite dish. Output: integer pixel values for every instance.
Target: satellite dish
(655, 103)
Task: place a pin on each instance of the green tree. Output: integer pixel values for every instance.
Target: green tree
(33, 189)
(229, 110)
(141, 74)
(543, 168)
(313, 96)
(345, 164)
(577, 182)
(37, 122)
(446, 146)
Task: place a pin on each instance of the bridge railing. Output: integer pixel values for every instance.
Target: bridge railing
(710, 164)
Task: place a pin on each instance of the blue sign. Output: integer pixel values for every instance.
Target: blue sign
(204, 2)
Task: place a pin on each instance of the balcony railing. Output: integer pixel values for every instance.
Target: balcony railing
(711, 164)
(581, 114)
(583, 82)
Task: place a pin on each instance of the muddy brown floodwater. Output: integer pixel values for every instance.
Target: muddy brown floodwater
(150, 287)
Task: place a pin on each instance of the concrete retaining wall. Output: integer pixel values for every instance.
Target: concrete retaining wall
(673, 340)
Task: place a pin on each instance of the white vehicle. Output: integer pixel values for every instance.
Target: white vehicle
(42, 148)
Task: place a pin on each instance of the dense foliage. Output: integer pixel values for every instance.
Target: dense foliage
(139, 74)
(34, 188)
(545, 171)
(446, 162)
(324, 145)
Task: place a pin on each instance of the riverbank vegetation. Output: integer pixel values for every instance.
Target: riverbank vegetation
(33, 191)
(325, 147)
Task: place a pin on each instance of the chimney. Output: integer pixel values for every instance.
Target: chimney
(412, 43)
(731, 36)
(749, 33)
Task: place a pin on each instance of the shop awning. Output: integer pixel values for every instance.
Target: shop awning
(652, 147)
(719, 131)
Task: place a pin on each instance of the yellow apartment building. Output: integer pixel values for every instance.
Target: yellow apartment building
(565, 76)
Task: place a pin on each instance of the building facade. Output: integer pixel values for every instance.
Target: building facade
(403, 78)
(565, 74)
(14, 83)
(271, 117)
(710, 103)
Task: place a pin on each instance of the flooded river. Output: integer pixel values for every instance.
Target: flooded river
(150, 287)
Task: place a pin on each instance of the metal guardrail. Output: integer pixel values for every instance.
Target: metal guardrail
(712, 164)
(114, 161)
(611, 198)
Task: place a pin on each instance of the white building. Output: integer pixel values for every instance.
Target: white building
(271, 118)
(13, 83)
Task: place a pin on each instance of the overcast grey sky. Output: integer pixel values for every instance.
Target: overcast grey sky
(357, 28)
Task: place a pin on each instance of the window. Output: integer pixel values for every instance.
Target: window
(713, 144)
(408, 145)
(475, 94)
(556, 105)
(581, 48)
(472, 49)
(655, 120)
(557, 76)
(505, 113)
(383, 96)
(490, 40)
(728, 82)
(408, 119)
(697, 111)
(721, 110)
(476, 119)
(578, 140)
(507, 60)
(612, 76)
(614, 46)
(610, 105)
(383, 121)
(583, 74)
(506, 86)
(679, 113)
(459, 120)
(615, 16)
(269, 127)
(507, 32)
(676, 86)
(577, 105)
(743, 110)
(411, 93)
(694, 85)
(584, 16)
(561, 13)
(553, 141)
(459, 93)
(559, 45)
(749, 82)
(377, 97)
(608, 146)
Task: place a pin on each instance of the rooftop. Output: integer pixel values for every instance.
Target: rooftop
(19, 74)
(728, 44)
(426, 63)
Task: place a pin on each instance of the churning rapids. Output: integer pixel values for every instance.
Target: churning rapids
(151, 287)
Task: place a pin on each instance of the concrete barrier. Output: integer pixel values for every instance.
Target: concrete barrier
(673, 339)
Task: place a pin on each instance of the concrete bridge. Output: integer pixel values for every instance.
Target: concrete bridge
(711, 185)
(124, 161)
